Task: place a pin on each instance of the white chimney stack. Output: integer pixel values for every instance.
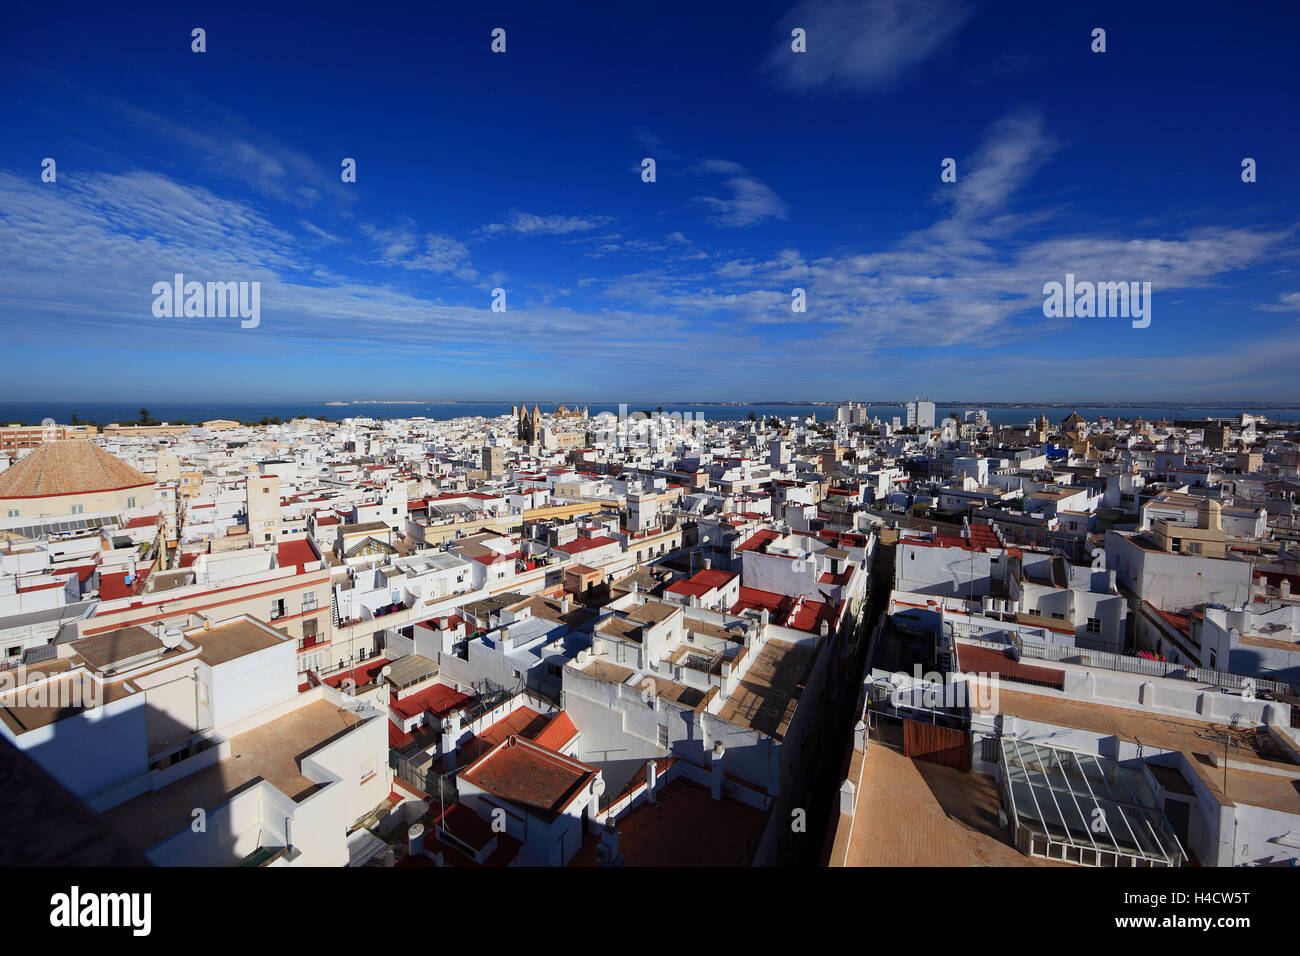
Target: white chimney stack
(415, 839)
(715, 788)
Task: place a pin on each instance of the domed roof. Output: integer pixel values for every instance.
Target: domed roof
(71, 466)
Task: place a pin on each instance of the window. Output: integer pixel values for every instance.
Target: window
(78, 509)
(663, 736)
(1094, 625)
(1214, 659)
(13, 512)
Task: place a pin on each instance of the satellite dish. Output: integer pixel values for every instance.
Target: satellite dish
(172, 637)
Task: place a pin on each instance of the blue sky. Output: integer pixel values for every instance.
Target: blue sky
(775, 170)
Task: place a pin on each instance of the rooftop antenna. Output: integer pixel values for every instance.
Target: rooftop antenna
(1228, 738)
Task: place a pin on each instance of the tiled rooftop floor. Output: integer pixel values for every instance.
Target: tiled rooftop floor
(913, 813)
(269, 752)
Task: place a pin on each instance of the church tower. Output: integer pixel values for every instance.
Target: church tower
(529, 429)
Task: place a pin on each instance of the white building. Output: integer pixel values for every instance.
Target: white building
(198, 748)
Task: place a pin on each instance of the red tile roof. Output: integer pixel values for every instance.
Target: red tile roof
(362, 674)
(976, 659)
(495, 557)
(438, 699)
(584, 544)
(812, 614)
(295, 553)
(758, 541)
(114, 586)
(702, 583)
(1179, 622)
(558, 733)
(531, 777)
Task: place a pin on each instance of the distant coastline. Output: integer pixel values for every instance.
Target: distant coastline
(1000, 413)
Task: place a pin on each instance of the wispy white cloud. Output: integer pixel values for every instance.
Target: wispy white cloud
(222, 143)
(751, 201)
(405, 246)
(1012, 151)
(1286, 302)
(318, 232)
(528, 224)
(863, 44)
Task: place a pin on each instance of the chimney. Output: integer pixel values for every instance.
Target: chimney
(415, 839)
(450, 735)
(651, 779)
(708, 564)
(564, 604)
(507, 642)
(715, 788)
(1284, 589)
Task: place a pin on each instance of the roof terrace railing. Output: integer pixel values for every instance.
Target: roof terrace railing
(1063, 654)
